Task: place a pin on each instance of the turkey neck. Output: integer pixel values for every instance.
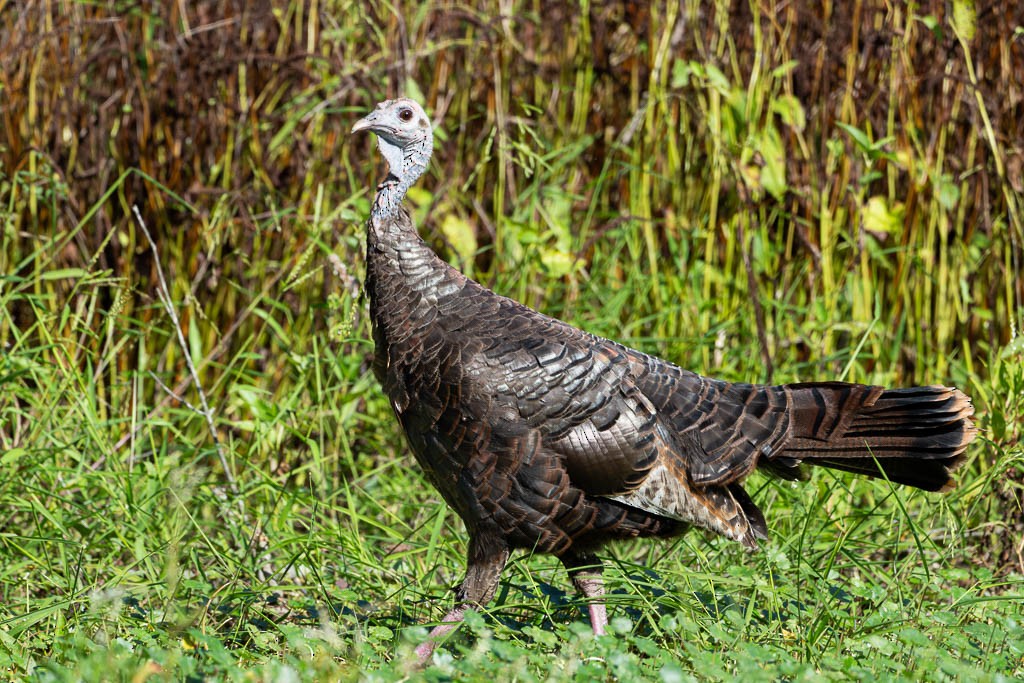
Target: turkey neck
(397, 258)
(405, 279)
(391, 237)
(406, 164)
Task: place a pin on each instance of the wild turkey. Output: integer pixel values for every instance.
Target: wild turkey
(544, 437)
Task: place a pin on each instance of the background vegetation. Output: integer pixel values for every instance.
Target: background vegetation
(763, 191)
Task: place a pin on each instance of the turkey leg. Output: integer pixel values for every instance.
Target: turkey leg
(483, 568)
(585, 572)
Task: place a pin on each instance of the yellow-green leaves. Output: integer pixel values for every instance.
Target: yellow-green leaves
(964, 19)
(763, 163)
(461, 236)
(880, 217)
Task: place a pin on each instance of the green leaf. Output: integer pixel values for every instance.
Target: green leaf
(879, 217)
(947, 192)
(717, 79)
(681, 72)
(461, 236)
(195, 341)
(773, 175)
(790, 111)
(557, 262)
(763, 164)
(12, 456)
(932, 24)
(784, 68)
(860, 138)
(419, 196)
(964, 19)
(62, 273)
(412, 90)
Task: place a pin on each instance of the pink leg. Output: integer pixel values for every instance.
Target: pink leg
(592, 588)
(598, 618)
(486, 560)
(450, 622)
(585, 571)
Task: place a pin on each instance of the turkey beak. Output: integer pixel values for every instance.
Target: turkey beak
(365, 123)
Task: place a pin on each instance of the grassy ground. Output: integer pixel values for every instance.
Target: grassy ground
(761, 194)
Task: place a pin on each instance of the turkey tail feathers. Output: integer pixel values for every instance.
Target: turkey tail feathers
(913, 436)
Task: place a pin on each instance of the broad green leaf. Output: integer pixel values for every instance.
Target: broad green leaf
(790, 111)
(681, 72)
(763, 164)
(717, 79)
(412, 90)
(859, 137)
(418, 195)
(557, 262)
(879, 217)
(947, 192)
(461, 235)
(773, 175)
(932, 23)
(964, 19)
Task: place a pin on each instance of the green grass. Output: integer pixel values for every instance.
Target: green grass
(664, 188)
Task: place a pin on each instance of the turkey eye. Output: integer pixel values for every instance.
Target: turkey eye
(405, 114)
